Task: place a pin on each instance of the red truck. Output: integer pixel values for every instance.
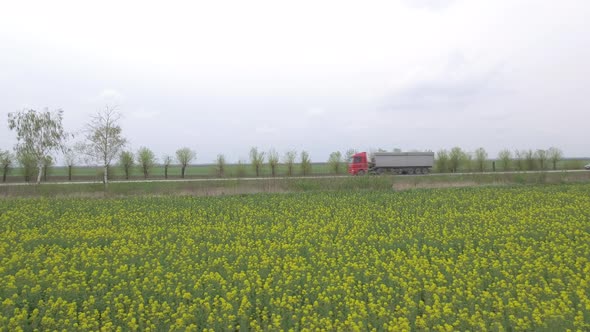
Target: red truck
(391, 162)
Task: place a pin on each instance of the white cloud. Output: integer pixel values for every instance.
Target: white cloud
(315, 75)
(315, 111)
(145, 114)
(109, 97)
(267, 130)
(428, 4)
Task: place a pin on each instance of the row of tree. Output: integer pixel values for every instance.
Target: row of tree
(456, 159)
(41, 134)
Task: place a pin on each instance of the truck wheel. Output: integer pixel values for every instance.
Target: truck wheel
(379, 171)
(361, 172)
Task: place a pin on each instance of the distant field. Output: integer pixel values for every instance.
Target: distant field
(60, 173)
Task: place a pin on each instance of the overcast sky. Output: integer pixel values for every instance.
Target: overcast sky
(321, 76)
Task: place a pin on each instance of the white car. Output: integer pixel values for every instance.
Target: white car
(587, 166)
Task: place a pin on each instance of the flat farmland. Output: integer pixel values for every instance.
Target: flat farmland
(483, 258)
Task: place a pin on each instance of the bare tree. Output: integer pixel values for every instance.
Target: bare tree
(104, 139)
(442, 161)
(256, 159)
(554, 155)
(335, 162)
(289, 161)
(273, 161)
(6, 159)
(146, 159)
(481, 157)
(184, 157)
(38, 135)
(220, 165)
(305, 163)
(127, 160)
(541, 156)
(167, 161)
(505, 157)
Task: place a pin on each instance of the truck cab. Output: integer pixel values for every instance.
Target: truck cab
(359, 164)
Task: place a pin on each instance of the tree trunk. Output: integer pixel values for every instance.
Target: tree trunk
(166, 172)
(182, 171)
(39, 174)
(145, 173)
(105, 175)
(4, 174)
(70, 173)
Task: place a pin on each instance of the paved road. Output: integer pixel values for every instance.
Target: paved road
(276, 178)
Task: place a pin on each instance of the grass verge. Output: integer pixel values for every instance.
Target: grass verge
(241, 186)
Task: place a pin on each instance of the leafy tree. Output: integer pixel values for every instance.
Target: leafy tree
(273, 161)
(6, 159)
(442, 161)
(104, 138)
(184, 157)
(554, 155)
(529, 157)
(146, 159)
(456, 157)
(480, 157)
(167, 161)
(305, 163)
(47, 162)
(505, 158)
(256, 159)
(38, 135)
(289, 161)
(467, 161)
(220, 165)
(519, 159)
(541, 156)
(241, 169)
(127, 160)
(28, 164)
(335, 162)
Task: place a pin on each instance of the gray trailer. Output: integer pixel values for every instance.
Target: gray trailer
(401, 162)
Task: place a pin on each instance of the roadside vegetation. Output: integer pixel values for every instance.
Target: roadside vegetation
(103, 143)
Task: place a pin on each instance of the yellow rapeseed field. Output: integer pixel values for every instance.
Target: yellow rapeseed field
(494, 259)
